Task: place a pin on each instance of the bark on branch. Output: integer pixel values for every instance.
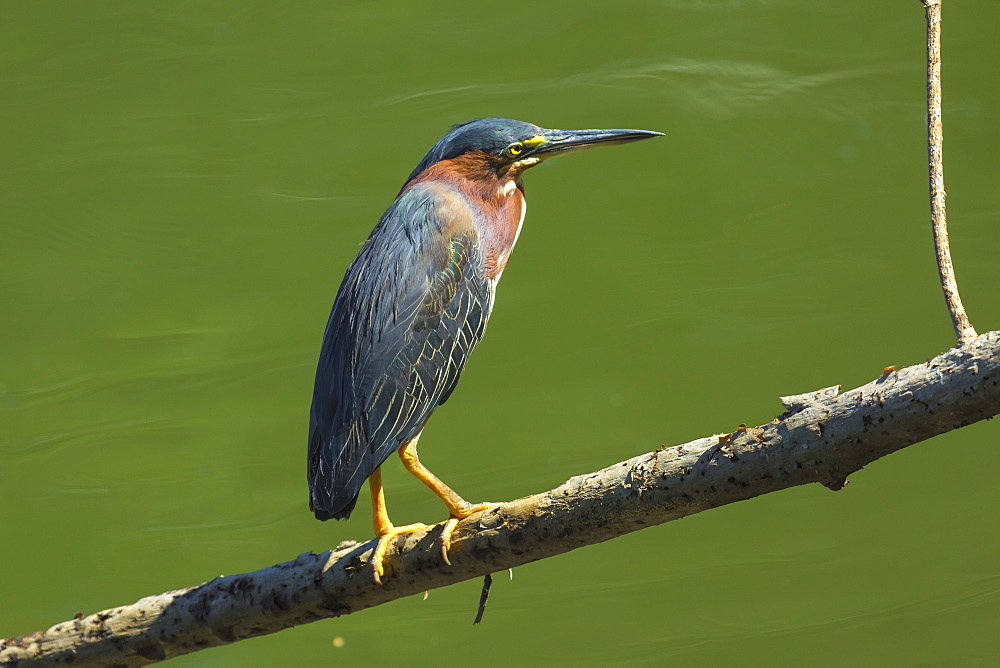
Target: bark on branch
(823, 437)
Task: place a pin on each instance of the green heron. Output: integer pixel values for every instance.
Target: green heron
(412, 307)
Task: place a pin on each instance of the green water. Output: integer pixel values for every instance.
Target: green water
(184, 184)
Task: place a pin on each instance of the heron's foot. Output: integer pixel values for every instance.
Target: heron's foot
(383, 544)
(457, 514)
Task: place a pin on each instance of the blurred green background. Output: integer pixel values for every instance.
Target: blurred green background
(183, 185)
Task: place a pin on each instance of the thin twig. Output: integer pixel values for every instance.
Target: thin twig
(935, 141)
(483, 597)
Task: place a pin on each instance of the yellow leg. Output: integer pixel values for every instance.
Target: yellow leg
(458, 507)
(383, 527)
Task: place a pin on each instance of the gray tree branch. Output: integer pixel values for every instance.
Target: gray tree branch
(822, 437)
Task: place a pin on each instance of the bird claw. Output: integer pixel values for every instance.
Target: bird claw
(382, 546)
(452, 523)
(445, 539)
(378, 554)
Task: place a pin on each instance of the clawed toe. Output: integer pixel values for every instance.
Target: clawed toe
(452, 523)
(378, 554)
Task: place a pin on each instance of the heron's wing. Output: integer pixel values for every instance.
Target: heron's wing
(412, 307)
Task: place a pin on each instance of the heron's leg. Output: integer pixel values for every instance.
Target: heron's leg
(458, 507)
(384, 529)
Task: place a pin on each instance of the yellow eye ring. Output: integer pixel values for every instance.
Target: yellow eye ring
(514, 149)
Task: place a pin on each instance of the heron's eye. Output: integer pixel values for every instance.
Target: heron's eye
(515, 149)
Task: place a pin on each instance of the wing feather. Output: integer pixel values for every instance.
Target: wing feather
(412, 307)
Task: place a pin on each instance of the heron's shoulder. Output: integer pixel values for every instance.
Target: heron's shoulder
(434, 207)
(433, 191)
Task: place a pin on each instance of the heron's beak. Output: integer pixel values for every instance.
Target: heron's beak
(561, 141)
